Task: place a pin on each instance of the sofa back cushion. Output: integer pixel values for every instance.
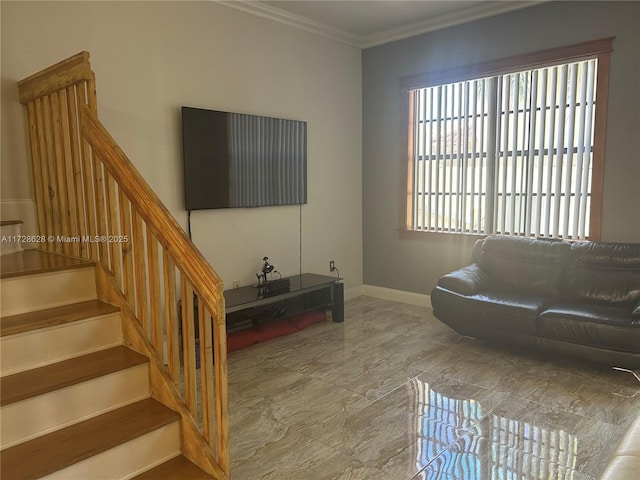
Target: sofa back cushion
(524, 264)
(604, 273)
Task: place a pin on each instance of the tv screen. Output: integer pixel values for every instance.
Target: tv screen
(239, 160)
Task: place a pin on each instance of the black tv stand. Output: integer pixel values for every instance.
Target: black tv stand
(286, 296)
(274, 287)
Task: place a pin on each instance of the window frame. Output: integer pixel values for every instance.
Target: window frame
(600, 49)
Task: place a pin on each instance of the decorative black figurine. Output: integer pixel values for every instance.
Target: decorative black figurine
(267, 268)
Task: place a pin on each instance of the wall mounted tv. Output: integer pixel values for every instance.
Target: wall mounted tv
(238, 160)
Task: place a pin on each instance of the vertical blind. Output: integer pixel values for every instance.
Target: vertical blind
(268, 160)
(508, 154)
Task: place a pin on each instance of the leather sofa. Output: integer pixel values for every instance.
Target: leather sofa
(624, 464)
(579, 298)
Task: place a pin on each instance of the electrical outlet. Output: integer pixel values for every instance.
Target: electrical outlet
(236, 284)
(332, 266)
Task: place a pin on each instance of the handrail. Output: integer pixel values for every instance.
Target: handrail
(152, 210)
(187, 258)
(88, 191)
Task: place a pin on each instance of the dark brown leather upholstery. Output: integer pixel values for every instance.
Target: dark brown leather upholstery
(581, 298)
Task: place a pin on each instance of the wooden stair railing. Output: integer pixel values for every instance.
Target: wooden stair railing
(92, 203)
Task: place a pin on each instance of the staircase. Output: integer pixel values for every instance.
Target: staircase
(75, 402)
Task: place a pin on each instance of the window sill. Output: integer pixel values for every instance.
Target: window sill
(470, 238)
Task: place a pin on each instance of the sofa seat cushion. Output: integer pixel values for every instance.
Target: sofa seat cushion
(514, 312)
(590, 324)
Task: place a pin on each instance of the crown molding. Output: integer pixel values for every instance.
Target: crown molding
(293, 20)
(487, 9)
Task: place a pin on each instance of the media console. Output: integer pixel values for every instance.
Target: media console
(246, 306)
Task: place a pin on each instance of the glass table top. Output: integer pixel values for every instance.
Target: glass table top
(256, 295)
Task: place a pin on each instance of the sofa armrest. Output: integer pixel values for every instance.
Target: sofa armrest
(625, 462)
(466, 281)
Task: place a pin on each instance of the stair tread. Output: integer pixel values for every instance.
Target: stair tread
(38, 381)
(26, 322)
(62, 448)
(29, 262)
(178, 468)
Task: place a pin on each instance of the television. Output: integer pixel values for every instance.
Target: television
(235, 160)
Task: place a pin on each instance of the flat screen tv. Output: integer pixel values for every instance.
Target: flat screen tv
(238, 160)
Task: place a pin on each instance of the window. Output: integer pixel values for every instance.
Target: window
(513, 147)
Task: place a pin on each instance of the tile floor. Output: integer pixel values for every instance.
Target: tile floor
(393, 394)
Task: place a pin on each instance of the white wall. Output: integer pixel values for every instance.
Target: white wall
(150, 58)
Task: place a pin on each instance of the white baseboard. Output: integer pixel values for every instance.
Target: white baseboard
(21, 209)
(353, 292)
(401, 296)
(10, 238)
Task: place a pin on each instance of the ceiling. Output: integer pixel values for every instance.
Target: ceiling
(366, 23)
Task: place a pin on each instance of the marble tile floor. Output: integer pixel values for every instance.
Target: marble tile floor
(393, 394)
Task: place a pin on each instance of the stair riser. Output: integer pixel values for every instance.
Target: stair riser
(53, 344)
(46, 290)
(127, 460)
(22, 421)
(11, 231)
